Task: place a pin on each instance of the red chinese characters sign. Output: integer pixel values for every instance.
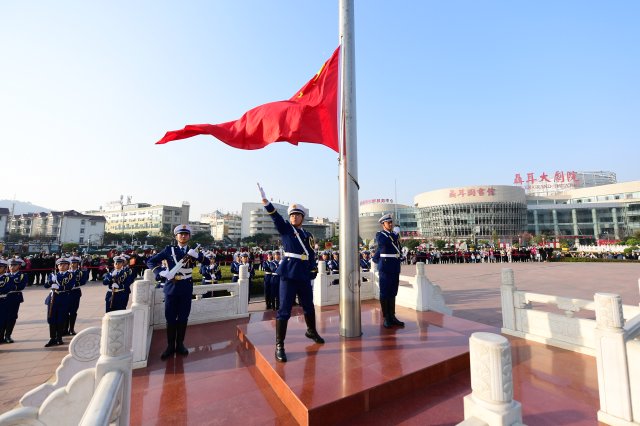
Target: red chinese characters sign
(376, 201)
(472, 192)
(546, 183)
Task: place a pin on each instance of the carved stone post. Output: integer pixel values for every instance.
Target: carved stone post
(376, 280)
(142, 310)
(491, 399)
(243, 280)
(116, 354)
(507, 290)
(611, 360)
(321, 285)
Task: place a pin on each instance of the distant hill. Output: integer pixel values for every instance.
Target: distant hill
(22, 207)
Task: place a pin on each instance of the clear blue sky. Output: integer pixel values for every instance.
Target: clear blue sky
(449, 94)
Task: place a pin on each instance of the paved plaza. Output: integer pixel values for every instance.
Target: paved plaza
(471, 290)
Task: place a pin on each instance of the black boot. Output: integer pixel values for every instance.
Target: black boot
(392, 309)
(312, 333)
(171, 342)
(384, 305)
(281, 333)
(52, 336)
(72, 324)
(60, 333)
(181, 332)
(2, 334)
(8, 331)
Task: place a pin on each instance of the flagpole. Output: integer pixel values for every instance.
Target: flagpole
(350, 321)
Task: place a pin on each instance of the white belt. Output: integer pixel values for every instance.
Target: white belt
(2, 296)
(389, 255)
(296, 255)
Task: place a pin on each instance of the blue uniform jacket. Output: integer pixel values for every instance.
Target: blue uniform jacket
(6, 284)
(365, 264)
(177, 287)
(387, 243)
(66, 281)
(20, 280)
(290, 267)
(123, 278)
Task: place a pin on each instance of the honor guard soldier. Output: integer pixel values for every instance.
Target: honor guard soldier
(297, 269)
(267, 267)
(365, 261)
(275, 279)
(326, 258)
(178, 287)
(388, 257)
(81, 278)
(235, 268)
(61, 284)
(6, 286)
(334, 263)
(14, 298)
(119, 282)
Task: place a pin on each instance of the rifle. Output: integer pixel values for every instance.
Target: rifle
(172, 273)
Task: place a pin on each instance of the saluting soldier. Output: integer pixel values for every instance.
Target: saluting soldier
(119, 282)
(6, 286)
(81, 278)
(388, 257)
(15, 297)
(178, 289)
(296, 271)
(61, 284)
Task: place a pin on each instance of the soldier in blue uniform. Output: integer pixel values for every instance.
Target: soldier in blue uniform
(61, 284)
(365, 261)
(297, 269)
(235, 268)
(81, 278)
(6, 286)
(388, 257)
(119, 281)
(333, 264)
(14, 298)
(275, 279)
(267, 266)
(178, 290)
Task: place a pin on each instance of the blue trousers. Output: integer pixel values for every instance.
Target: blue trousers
(389, 284)
(177, 308)
(59, 312)
(288, 291)
(74, 301)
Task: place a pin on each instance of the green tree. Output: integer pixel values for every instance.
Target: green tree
(110, 238)
(259, 239)
(411, 244)
(440, 244)
(203, 238)
(70, 247)
(141, 235)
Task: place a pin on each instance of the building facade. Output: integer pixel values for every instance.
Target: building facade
(405, 217)
(474, 212)
(62, 227)
(224, 226)
(127, 219)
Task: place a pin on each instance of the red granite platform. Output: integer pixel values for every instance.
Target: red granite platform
(344, 377)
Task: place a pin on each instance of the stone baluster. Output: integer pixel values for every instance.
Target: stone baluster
(321, 285)
(507, 290)
(491, 399)
(611, 360)
(142, 311)
(243, 280)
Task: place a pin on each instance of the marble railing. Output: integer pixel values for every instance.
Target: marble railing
(415, 292)
(521, 319)
(326, 293)
(618, 361)
(94, 396)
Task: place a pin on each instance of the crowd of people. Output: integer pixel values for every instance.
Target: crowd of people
(488, 255)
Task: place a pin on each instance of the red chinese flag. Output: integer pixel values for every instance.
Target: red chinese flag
(309, 116)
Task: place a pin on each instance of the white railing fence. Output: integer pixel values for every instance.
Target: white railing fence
(415, 292)
(521, 319)
(85, 399)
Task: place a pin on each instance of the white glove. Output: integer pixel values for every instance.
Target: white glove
(114, 285)
(262, 194)
(55, 286)
(164, 273)
(193, 253)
